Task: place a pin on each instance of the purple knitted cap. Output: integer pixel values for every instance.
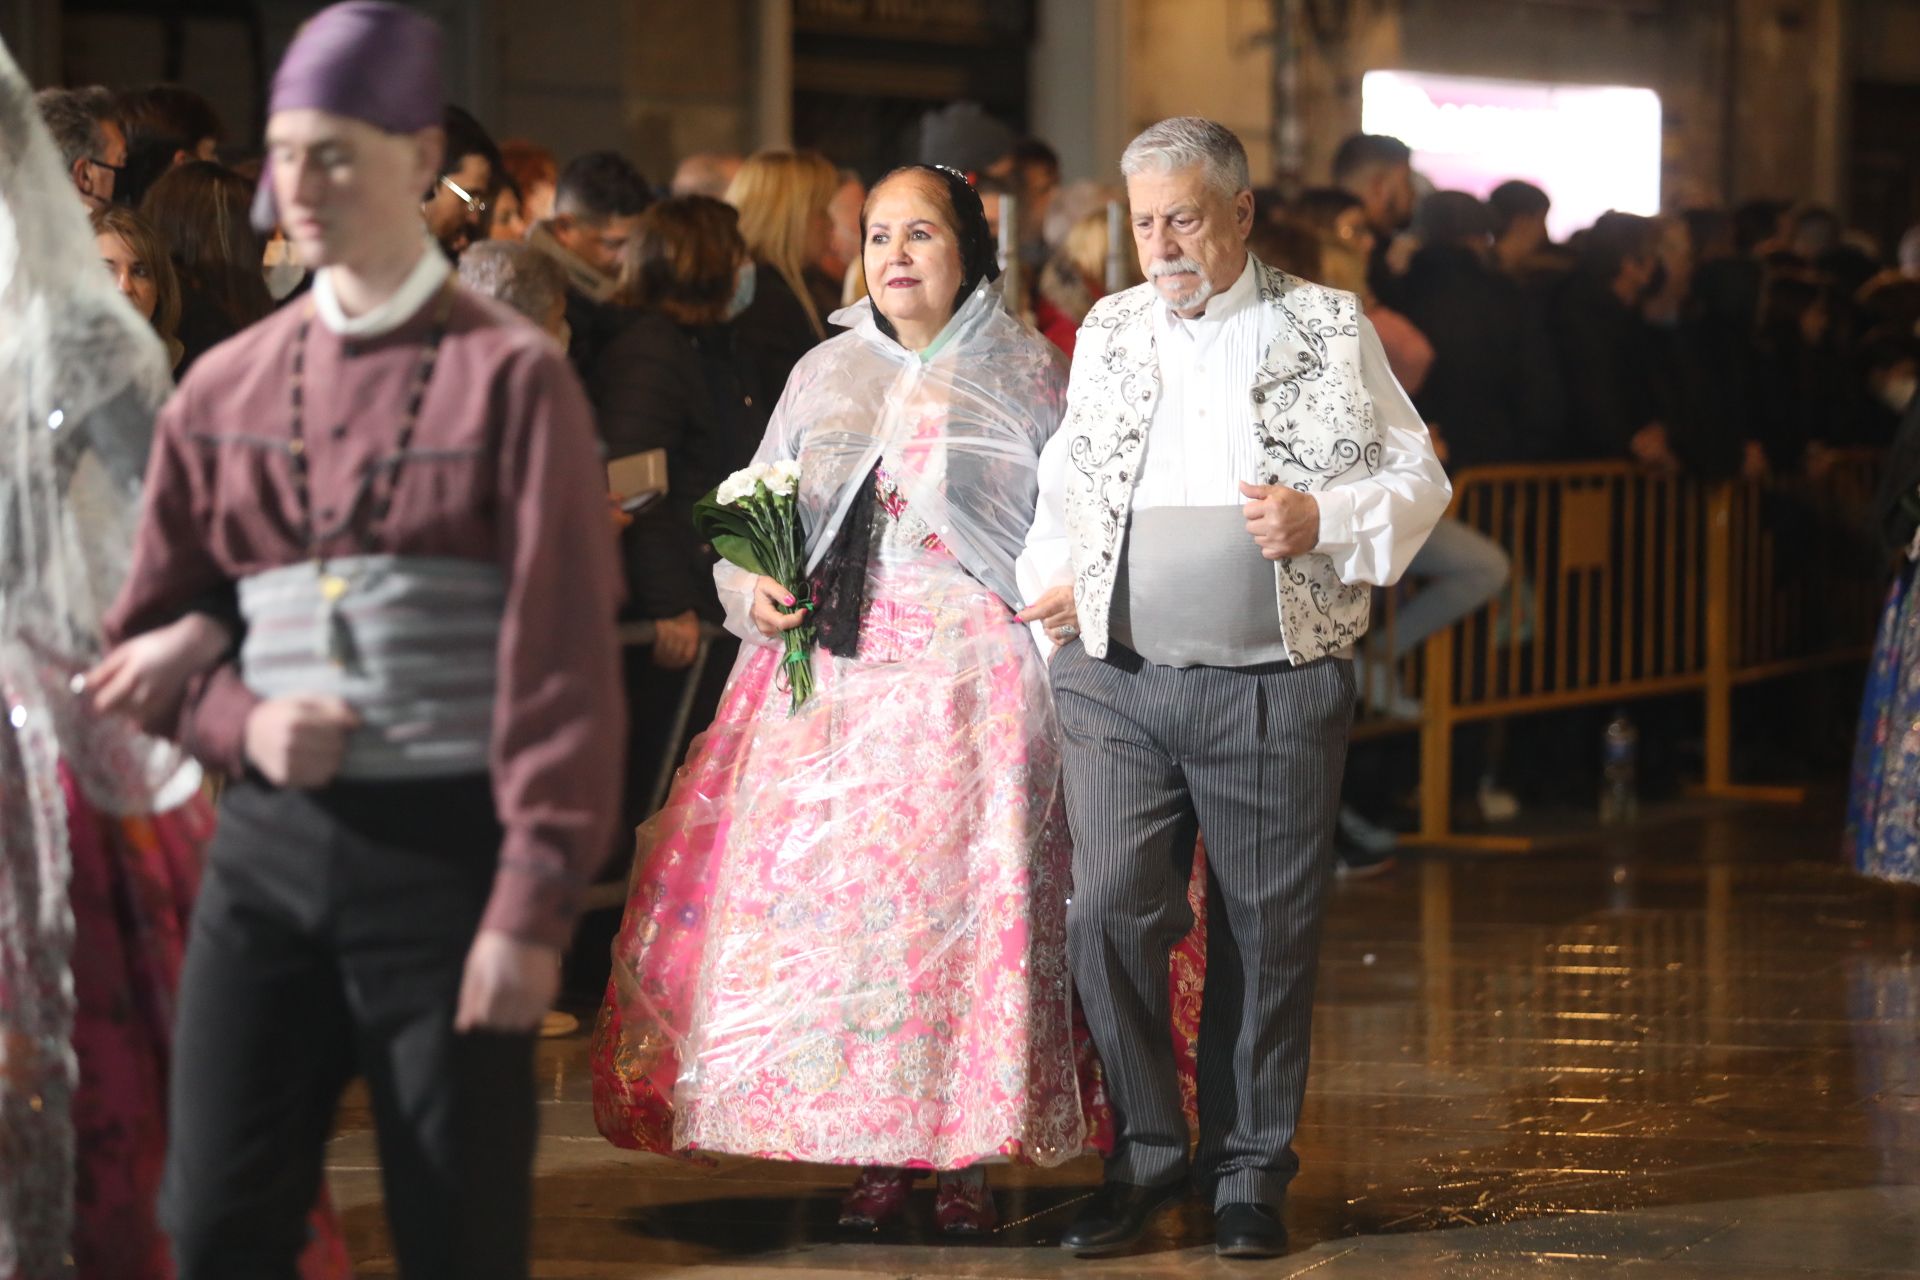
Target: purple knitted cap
(367, 60)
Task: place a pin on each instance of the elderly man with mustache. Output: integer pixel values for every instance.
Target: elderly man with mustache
(1236, 471)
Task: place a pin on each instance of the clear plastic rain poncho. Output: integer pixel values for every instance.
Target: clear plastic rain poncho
(81, 376)
(845, 936)
(961, 426)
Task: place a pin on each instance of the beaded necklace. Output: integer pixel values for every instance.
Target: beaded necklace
(335, 586)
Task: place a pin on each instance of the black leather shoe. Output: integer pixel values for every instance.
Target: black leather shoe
(1248, 1231)
(1120, 1214)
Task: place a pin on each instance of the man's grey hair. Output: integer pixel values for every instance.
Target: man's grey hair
(516, 274)
(705, 173)
(74, 118)
(1187, 142)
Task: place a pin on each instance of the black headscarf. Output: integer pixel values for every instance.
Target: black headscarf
(839, 584)
(979, 254)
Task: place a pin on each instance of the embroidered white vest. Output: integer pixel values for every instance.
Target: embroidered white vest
(1307, 407)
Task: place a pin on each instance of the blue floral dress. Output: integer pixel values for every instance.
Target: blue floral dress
(1883, 812)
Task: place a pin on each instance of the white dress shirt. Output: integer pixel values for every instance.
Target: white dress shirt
(428, 274)
(1201, 445)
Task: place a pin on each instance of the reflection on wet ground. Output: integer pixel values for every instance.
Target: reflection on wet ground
(1691, 1052)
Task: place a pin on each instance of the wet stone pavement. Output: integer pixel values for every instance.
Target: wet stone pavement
(1690, 1051)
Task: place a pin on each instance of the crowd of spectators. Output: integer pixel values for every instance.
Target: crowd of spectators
(1710, 342)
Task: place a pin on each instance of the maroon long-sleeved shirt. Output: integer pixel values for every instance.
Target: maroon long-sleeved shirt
(503, 467)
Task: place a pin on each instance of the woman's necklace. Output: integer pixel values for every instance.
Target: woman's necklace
(334, 586)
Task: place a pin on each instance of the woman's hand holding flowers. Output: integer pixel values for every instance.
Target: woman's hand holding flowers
(771, 603)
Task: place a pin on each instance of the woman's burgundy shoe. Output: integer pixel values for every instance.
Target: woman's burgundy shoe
(878, 1197)
(964, 1207)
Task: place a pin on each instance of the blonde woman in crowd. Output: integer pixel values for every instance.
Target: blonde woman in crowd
(784, 198)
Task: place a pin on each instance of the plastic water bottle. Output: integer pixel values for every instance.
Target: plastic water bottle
(1619, 771)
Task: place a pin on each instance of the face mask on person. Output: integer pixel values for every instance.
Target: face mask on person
(743, 285)
(1898, 391)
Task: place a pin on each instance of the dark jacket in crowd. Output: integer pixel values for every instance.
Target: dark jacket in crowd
(1897, 503)
(1613, 367)
(774, 329)
(1382, 281)
(209, 315)
(1493, 391)
(693, 392)
(593, 317)
(203, 326)
(592, 326)
(1803, 394)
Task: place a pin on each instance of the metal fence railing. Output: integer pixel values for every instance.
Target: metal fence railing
(1627, 585)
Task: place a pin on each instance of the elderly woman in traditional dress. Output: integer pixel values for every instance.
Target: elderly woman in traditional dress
(845, 940)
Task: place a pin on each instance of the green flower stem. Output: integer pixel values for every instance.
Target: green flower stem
(780, 545)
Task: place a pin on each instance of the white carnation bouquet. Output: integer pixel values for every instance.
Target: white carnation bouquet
(753, 520)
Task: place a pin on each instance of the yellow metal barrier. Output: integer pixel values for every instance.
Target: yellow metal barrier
(1627, 585)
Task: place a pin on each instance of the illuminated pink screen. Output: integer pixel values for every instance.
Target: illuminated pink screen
(1590, 147)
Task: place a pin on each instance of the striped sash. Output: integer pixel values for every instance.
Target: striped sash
(409, 642)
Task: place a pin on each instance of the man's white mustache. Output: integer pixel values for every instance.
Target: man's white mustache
(1178, 266)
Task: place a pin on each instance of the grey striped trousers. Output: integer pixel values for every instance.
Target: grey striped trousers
(1250, 758)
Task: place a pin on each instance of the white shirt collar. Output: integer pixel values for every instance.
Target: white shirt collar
(427, 276)
(1229, 301)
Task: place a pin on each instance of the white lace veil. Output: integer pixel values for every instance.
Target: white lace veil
(81, 375)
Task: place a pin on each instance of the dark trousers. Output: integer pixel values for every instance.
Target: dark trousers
(1250, 759)
(329, 940)
(653, 704)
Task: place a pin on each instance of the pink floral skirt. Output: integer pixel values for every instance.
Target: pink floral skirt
(132, 889)
(845, 934)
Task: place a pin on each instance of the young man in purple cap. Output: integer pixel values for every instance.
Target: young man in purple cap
(422, 717)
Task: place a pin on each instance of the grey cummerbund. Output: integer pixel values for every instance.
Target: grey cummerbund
(411, 645)
(1194, 591)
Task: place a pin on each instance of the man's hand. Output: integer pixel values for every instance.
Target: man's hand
(1057, 611)
(676, 641)
(145, 677)
(508, 985)
(1283, 522)
(300, 741)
